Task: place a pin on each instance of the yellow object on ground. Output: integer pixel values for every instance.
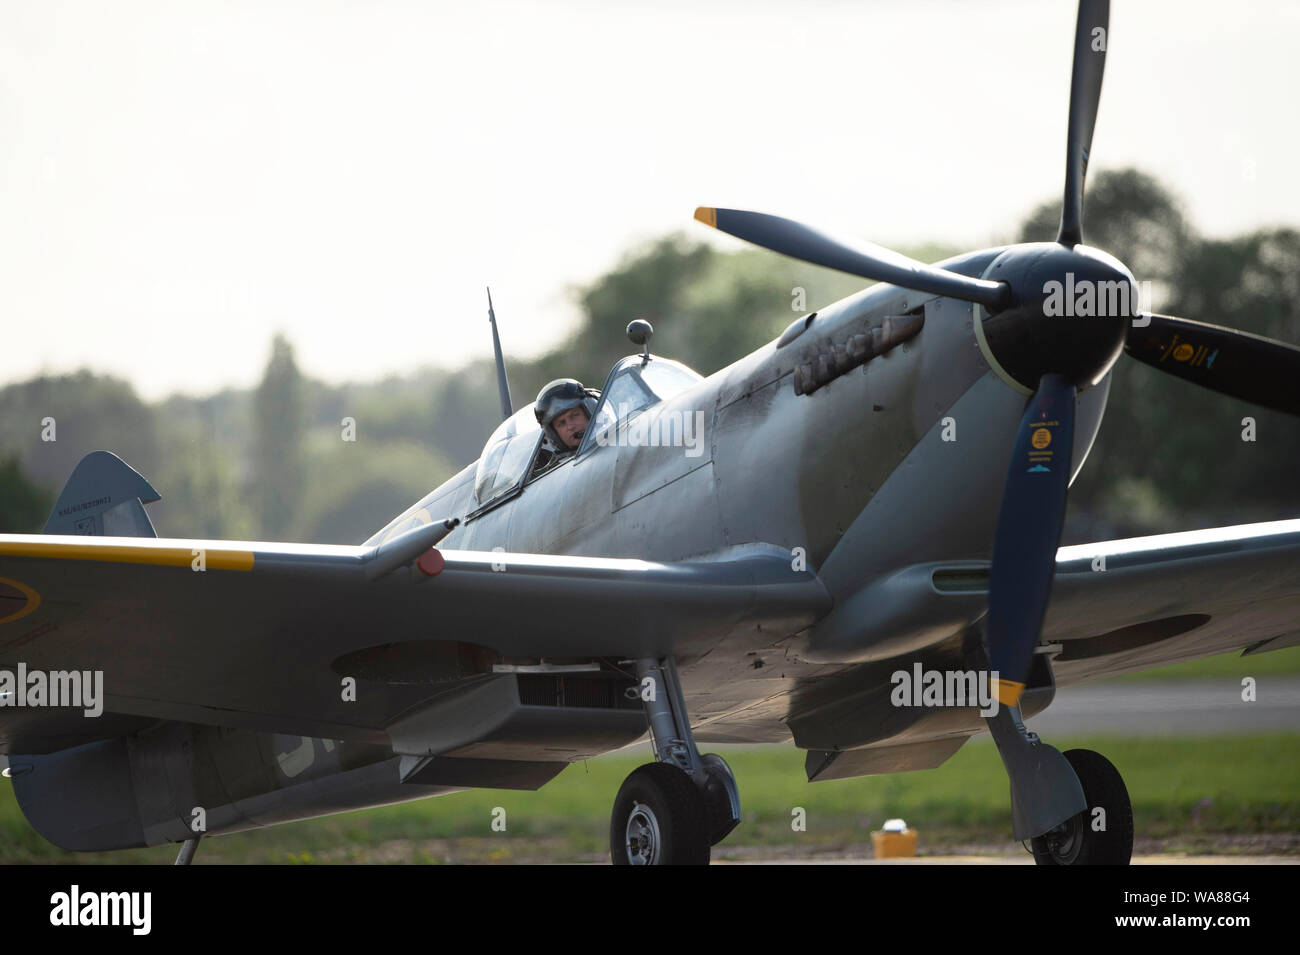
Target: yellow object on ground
(894, 845)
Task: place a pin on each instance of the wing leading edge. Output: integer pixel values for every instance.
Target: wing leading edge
(1125, 605)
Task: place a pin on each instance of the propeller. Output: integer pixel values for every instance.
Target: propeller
(1052, 356)
(1029, 533)
(1250, 367)
(863, 259)
(1091, 34)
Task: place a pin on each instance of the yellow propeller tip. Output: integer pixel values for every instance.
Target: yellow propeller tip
(708, 216)
(1008, 692)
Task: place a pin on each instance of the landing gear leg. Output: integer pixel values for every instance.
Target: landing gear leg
(188, 848)
(670, 812)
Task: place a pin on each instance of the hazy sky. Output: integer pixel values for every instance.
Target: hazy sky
(180, 179)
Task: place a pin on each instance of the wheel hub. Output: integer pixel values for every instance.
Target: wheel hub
(643, 838)
(1065, 842)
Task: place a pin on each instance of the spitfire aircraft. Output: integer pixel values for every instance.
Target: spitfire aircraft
(748, 557)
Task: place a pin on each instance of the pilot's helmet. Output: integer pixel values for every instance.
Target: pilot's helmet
(558, 397)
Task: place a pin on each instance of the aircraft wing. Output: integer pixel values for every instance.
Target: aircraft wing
(1120, 606)
(263, 636)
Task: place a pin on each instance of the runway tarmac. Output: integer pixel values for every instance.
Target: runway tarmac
(1025, 860)
(1167, 708)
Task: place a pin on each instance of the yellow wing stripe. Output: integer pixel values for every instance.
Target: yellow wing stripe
(131, 554)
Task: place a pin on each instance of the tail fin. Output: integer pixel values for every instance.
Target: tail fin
(104, 497)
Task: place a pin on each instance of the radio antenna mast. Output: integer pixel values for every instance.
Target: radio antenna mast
(503, 383)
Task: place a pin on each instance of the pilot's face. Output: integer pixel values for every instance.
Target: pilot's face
(571, 425)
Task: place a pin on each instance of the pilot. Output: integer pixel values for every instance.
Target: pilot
(564, 409)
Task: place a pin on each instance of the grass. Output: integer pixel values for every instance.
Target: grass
(1197, 792)
(1234, 665)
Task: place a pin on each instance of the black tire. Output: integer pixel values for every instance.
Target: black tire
(672, 821)
(1077, 843)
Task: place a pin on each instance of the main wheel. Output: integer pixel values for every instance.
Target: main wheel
(659, 818)
(1078, 841)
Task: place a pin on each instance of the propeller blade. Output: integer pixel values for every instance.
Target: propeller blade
(1251, 367)
(1028, 534)
(863, 259)
(1091, 35)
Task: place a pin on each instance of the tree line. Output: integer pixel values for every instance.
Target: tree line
(274, 463)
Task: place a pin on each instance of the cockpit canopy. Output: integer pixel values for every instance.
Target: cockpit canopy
(633, 386)
(507, 455)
